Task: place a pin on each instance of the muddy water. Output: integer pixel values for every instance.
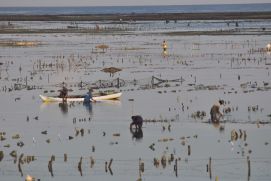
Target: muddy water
(212, 67)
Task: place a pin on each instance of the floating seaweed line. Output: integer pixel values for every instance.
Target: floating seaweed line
(241, 122)
(152, 82)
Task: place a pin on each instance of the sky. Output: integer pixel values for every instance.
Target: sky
(6, 3)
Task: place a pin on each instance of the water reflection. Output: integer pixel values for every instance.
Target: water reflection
(88, 106)
(216, 124)
(63, 107)
(137, 133)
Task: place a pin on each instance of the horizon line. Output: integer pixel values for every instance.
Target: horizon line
(48, 6)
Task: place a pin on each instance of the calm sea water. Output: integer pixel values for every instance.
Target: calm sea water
(137, 9)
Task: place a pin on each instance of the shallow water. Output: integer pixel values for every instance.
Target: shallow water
(148, 26)
(201, 61)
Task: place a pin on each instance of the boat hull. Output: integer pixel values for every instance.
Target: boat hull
(80, 99)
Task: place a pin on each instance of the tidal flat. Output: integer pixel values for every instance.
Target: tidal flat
(173, 91)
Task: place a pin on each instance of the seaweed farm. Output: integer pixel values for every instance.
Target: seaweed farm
(172, 90)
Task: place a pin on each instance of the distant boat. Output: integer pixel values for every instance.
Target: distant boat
(80, 98)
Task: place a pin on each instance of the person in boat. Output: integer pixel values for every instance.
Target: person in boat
(88, 97)
(137, 121)
(63, 93)
(215, 113)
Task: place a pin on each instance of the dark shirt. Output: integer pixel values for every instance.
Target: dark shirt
(88, 97)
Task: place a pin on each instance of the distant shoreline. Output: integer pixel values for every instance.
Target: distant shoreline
(140, 17)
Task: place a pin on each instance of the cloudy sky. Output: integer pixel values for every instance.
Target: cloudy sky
(4, 3)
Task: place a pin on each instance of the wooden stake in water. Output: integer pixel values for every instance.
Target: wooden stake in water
(19, 164)
(50, 167)
(139, 169)
(176, 167)
(109, 166)
(65, 157)
(210, 167)
(248, 164)
(80, 166)
(91, 162)
(105, 167)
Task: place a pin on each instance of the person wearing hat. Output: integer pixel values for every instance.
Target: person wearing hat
(215, 112)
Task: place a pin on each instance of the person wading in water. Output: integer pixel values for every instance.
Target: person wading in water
(63, 93)
(88, 97)
(164, 45)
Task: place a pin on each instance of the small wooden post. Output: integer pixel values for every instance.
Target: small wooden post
(210, 167)
(142, 167)
(65, 157)
(20, 169)
(50, 167)
(189, 150)
(110, 163)
(248, 164)
(80, 166)
(105, 167)
(19, 164)
(152, 81)
(245, 135)
(91, 162)
(139, 170)
(109, 166)
(176, 167)
(110, 171)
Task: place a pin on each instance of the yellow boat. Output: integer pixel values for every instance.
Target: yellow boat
(80, 98)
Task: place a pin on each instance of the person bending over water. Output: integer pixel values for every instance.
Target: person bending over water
(215, 113)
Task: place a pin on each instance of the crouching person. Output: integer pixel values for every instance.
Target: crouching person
(215, 112)
(137, 121)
